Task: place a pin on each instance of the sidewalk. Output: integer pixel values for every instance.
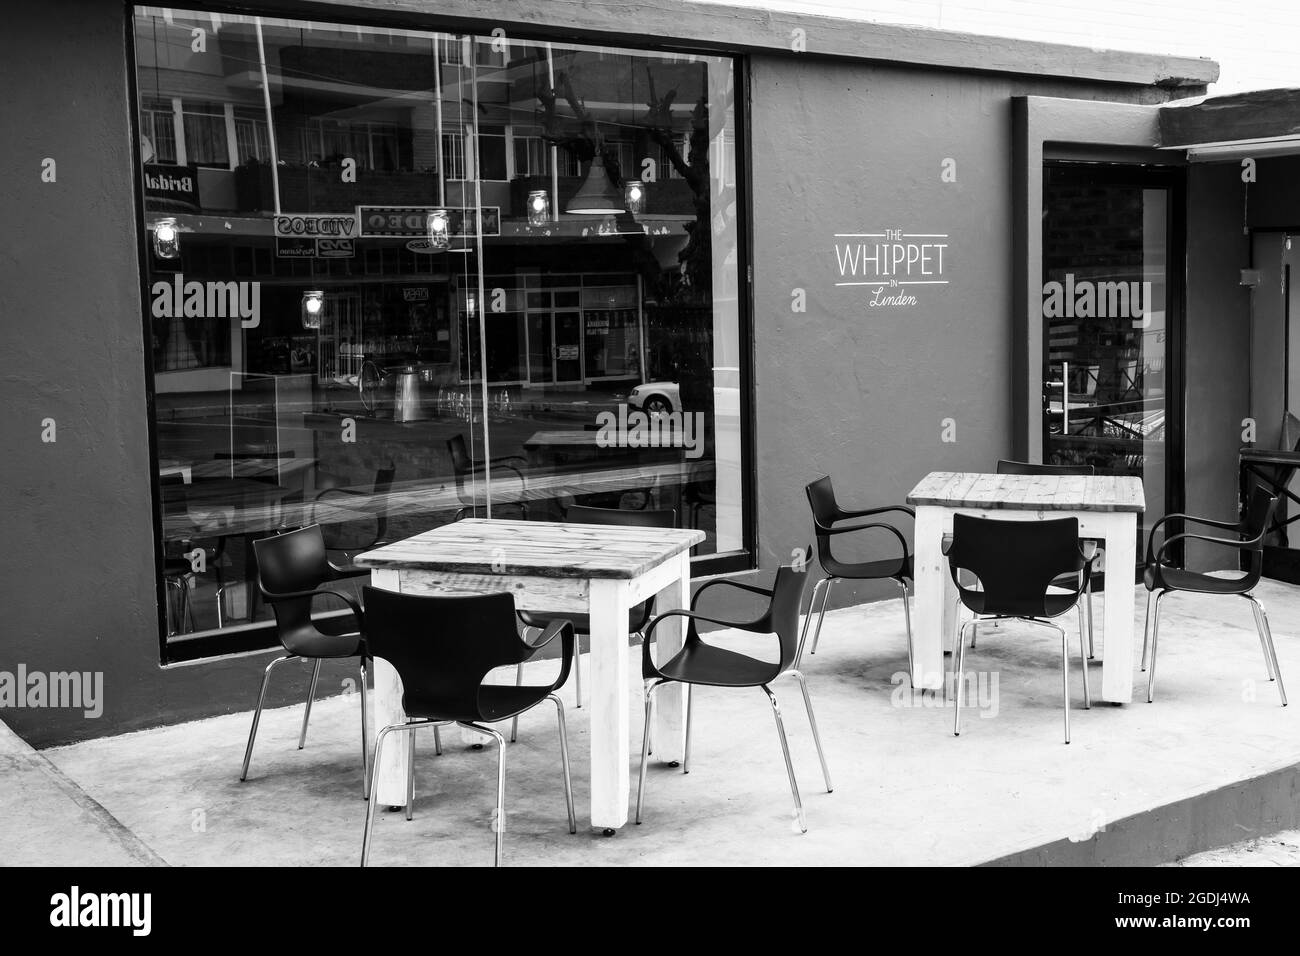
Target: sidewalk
(50, 821)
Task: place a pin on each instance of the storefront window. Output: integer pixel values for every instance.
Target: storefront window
(576, 310)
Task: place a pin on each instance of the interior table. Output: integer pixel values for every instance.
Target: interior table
(1107, 507)
(594, 569)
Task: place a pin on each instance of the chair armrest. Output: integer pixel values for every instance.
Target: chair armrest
(273, 596)
(753, 589)
(345, 574)
(562, 628)
(1190, 519)
(822, 529)
(868, 512)
(1239, 544)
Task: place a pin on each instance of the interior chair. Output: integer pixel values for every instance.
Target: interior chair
(1017, 564)
(466, 469)
(442, 649)
(1162, 577)
(345, 540)
(1007, 466)
(637, 617)
(178, 569)
(827, 515)
(292, 574)
(699, 662)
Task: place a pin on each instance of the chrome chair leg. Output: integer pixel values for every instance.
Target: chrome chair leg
(958, 676)
(372, 793)
(826, 597)
(907, 622)
(789, 765)
(564, 760)
(807, 621)
(1083, 660)
(690, 708)
(499, 823)
(1266, 642)
(651, 687)
(311, 695)
(812, 722)
(1065, 676)
(410, 777)
(1155, 642)
(366, 770)
(1146, 631)
(257, 714)
(1092, 647)
(437, 742)
(645, 693)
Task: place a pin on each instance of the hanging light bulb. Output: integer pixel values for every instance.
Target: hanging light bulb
(166, 239)
(634, 196)
(470, 304)
(313, 305)
(539, 207)
(438, 224)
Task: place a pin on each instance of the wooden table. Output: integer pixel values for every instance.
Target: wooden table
(599, 570)
(1107, 507)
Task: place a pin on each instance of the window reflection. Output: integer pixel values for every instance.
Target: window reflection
(594, 349)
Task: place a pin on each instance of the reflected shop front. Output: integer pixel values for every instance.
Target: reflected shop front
(383, 266)
(399, 277)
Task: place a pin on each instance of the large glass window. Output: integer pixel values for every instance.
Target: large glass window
(320, 354)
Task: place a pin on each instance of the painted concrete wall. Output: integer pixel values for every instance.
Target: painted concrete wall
(1217, 316)
(859, 392)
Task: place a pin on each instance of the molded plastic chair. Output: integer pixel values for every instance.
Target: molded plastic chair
(1007, 466)
(442, 649)
(292, 571)
(637, 617)
(1162, 578)
(464, 467)
(826, 514)
(699, 662)
(1017, 563)
(337, 537)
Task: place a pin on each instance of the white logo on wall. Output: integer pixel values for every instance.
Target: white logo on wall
(891, 264)
(208, 300)
(1086, 299)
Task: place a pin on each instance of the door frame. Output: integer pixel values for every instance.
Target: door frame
(1172, 178)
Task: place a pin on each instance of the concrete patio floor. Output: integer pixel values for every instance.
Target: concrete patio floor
(906, 790)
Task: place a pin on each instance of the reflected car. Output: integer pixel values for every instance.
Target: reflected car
(656, 397)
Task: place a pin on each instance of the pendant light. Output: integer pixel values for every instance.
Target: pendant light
(596, 196)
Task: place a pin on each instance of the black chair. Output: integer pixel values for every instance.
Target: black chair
(1007, 466)
(442, 649)
(466, 468)
(178, 569)
(1016, 564)
(898, 568)
(1162, 578)
(637, 617)
(292, 573)
(344, 540)
(701, 663)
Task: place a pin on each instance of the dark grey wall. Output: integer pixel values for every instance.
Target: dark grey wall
(76, 571)
(1218, 359)
(856, 392)
(859, 393)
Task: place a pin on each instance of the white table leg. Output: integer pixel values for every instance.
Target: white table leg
(670, 699)
(391, 771)
(931, 597)
(1117, 629)
(610, 726)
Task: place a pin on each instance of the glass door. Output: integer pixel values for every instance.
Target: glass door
(568, 347)
(1111, 317)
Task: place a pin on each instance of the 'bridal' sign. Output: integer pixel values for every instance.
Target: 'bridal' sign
(891, 264)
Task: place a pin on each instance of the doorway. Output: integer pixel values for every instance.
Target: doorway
(1112, 324)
